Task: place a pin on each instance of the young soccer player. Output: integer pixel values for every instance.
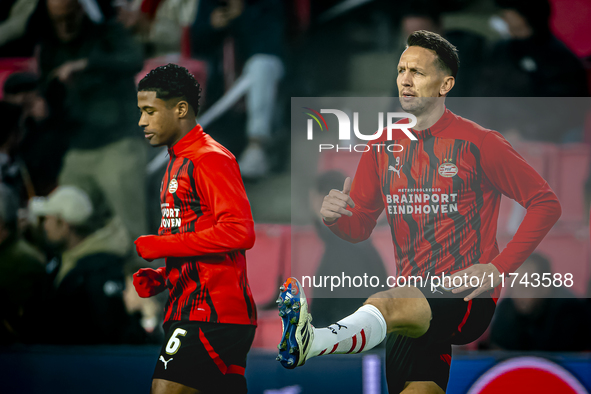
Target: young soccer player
(210, 315)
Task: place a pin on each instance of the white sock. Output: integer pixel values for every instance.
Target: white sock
(356, 333)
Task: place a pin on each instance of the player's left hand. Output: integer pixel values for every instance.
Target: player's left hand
(144, 246)
(480, 271)
(148, 282)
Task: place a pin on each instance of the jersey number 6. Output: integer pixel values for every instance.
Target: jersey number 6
(174, 343)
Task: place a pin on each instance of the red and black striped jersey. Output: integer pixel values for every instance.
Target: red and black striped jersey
(442, 195)
(206, 227)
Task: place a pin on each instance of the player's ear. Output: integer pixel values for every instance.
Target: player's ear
(447, 85)
(182, 109)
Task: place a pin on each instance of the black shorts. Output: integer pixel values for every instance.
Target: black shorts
(428, 358)
(209, 357)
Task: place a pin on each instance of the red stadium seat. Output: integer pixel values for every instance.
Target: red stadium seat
(268, 330)
(306, 252)
(543, 157)
(575, 160)
(504, 214)
(565, 167)
(568, 253)
(12, 65)
(569, 22)
(269, 264)
(343, 161)
(266, 262)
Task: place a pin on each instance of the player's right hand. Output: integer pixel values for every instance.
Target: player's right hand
(149, 282)
(335, 203)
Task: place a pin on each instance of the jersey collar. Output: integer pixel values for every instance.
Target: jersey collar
(187, 142)
(439, 126)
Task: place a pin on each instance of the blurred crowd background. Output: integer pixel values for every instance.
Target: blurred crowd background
(78, 184)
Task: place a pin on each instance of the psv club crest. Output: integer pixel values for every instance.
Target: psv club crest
(448, 169)
(173, 186)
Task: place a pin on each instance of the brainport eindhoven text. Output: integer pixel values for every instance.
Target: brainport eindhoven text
(422, 203)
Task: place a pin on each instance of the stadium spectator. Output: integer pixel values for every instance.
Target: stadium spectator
(22, 22)
(339, 257)
(21, 88)
(87, 276)
(9, 137)
(22, 273)
(90, 70)
(260, 49)
(16, 39)
(160, 25)
(44, 135)
(538, 317)
(532, 63)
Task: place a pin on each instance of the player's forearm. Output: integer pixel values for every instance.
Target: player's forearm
(354, 229)
(218, 239)
(542, 214)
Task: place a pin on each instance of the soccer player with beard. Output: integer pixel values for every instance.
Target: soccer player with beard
(442, 203)
(210, 315)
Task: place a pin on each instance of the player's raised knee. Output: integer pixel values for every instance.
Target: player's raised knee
(422, 388)
(405, 310)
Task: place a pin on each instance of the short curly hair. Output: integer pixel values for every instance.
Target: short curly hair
(172, 81)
